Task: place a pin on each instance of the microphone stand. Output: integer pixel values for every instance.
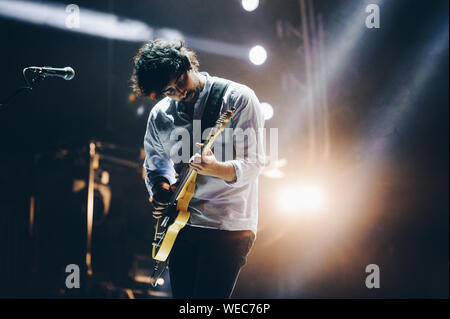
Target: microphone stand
(36, 79)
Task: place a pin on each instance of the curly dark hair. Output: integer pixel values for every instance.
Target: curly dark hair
(157, 62)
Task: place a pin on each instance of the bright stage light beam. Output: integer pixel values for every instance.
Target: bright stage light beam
(310, 198)
(110, 26)
(257, 55)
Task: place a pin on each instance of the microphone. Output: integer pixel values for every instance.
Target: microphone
(66, 73)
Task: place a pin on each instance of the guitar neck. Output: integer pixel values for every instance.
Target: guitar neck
(189, 170)
(214, 132)
(188, 173)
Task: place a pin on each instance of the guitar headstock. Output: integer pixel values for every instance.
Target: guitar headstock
(223, 120)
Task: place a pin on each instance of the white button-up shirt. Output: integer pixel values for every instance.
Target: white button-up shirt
(216, 203)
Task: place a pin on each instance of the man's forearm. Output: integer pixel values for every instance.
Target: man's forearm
(225, 171)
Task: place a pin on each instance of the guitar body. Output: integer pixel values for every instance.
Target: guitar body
(181, 220)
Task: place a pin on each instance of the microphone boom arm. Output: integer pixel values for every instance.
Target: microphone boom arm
(40, 73)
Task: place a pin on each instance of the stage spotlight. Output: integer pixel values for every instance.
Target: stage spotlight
(267, 110)
(140, 110)
(303, 199)
(168, 34)
(257, 55)
(310, 198)
(250, 5)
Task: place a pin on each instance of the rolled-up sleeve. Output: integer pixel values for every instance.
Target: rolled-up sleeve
(248, 135)
(157, 162)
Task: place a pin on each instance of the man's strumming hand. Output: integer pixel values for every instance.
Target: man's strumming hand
(206, 164)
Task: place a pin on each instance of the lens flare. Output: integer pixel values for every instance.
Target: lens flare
(301, 199)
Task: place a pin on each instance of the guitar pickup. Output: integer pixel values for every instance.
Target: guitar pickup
(165, 221)
(160, 235)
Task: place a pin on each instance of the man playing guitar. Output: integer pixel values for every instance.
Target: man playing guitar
(212, 248)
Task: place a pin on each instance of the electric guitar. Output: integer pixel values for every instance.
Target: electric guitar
(176, 215)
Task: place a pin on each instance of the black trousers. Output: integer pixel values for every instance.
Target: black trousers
(205, 263)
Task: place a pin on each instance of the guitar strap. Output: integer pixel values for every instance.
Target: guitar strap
(213, 104)
(210, 114)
